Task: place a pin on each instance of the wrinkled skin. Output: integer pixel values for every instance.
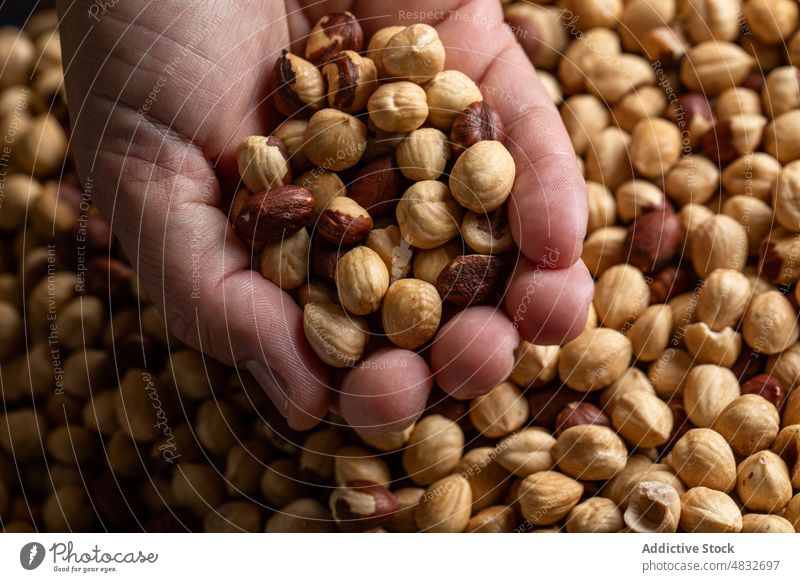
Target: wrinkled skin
(160, 95)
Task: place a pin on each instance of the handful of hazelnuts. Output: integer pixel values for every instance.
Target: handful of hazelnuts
(387, 180)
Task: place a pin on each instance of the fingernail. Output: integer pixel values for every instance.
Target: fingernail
(272, 384)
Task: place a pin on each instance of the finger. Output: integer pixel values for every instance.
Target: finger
(474, 352)
(549, 306)
(386, 392)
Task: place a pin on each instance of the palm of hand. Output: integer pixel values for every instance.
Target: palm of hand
(157, 128)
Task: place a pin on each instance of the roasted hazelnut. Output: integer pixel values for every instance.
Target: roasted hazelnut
(711, 67)
(352, 79)
(712, 20)
(713, 347)
(535, 365)
(612, 78)
(621, 294)
(415, 53)
(708, 389)
(608, 160)
(285, 263)
(377, 46)
(357, 464)
(428, 215)
(334, 140)
(428, 263)
(476, 122)
(781, 91)
(644, 103)
(642, 419)
(361, 505)
(760, 523)
(735, 136)
(389, 245)
(771, 21)
(448, 93)
(578, 414)
(595, 515)
(487, 233)
(539, 30)
(500, 412)
(786, 198)
(655, 147)
(653, 508)
(263, 163)
(589, 452)
(298, 87)
(705, 510)
(769, 325)
(594, 360)
(362, 280)
(324, 186)
(702, 457)
(691, 113)
(411, 313)
(754, 214)
(483, 176)
(332, 34)
(344, 222)
(435, 448)
(398, 107)
(781, 138)
(718, 242)
(446, 506)
(605, 248)
(664, 44)
(423, 154)
(403, 519)
(763, 482)
(749, 423)
(637, 197)
(547, 496)
(337, 338)
(302, 515)
(651, 332)
(292, 133)
(494, 519)
(602, 207)
(488, 481)
(41, 147)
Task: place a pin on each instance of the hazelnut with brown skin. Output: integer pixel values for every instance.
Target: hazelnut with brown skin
(377, 186)
(271, 215)
(332, 34)
(487, 233)
(298, 86)
(344, 222)
(352, 79)
(473, 279)
(263, 163)
(476, 122)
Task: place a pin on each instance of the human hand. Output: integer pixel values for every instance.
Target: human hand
(160, 98)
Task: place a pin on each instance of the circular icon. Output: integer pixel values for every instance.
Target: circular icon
(31, 555)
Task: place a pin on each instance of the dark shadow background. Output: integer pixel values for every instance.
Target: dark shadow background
(16, 11)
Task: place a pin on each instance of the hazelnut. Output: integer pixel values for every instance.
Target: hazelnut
(362, 280)
(547, 496)
(769, 325)
(702, 457)
(737, 101)
(754, 214)
(448, 93)
(621, 294)
(651, 332)
(415, 53)
(476, 122)
(735, 136)
(377, 46)
(792, 512)
(653, 507)
(500, 412)
(594, 359)
(446, 506)
(605, 248)
(473, 279)
(423, 154)
(483, 176)
(619, 74)
(711, 67)
(654, 239)
(428, 215)
(334, 140)
(361, 505)
(428, 263)
(539, 30)
(723, 299)
(589, 452)
(298, 87)
(771, 21)
(535, 365)
(337, 338)
(781, 91)
(398, 107)
(718, 242)
(769, 388)
(332, 34)
(403, 519)
(526, 452)
(197, 487)
(580, 414)
(324, 186)
(595, 515)
(487, 480)
(602, 207)
(713, 347)
(786, 198)
(763, 483)
(786, 368)
(705, 510)
(20, 192)
(642, 419)
(263, 163)
(387, 441)
(352, 79)
(302, 515)
(594, 45)
(638, 470)
(292, 133)
(777, 258)
(378, 186)
(691, 113)
(708, 389)
(608, 161)
(655, 147)
(781, 138)
(272, 215)
(669, 282)
(637, 197)
(760, 523)
(411, 313)
(344, 222)
(395, 254)
(664, 44)
(487, 233)
(712, 20)
(317, 455)
(434, 449)
(749, 423)
(494, 519)
(357, 464)
(41, 147)
(285, 262)
(692, 179)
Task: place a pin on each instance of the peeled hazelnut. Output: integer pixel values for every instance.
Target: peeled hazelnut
(478, 121)
(351, 79)
(781, 91)
(637, 197)
(423, 154)
(377, 186)
(285, 262)
(771, 21)
(653, 508)
(483, 176)
(713, 347)
(651, 332)
(781, 138)
(494, 519)
(718, 242)
(487, 480)
(548, 496)
(777, 257)
(608, 161)
(692, 179)
(428, 263)
(387, 441)
(711, 67)
(769, 324)
(655, 146)
(362, 280)
(539, 30)
(292, 133)
(487, 233)
(642, 419)
(337, 338)
(641, 104)
(638, 470)
(415, 53)
(602, 207)
(398, 107)
(619, 74)
(446, 506)
(654, 239)
(526, 452)
(332, 34)
(707, 391)
(738, 135)
(760, 523)
(632, 380)
(40, 147)
(323, 185)
(621, 294)
(263, 163)
(691, 112)
(361, 505)
(702, 457)
(589, 452)
(754, 214)
(434, 449)
(535, 365)
(712, 20)
(344, 222)
(583, 116)
(499, 412)
(473, 279)
(403, 520)
(389, 245)
(749, 423)
(428, 215)
(411, 313)
(595, 359)
(302, 515)
(665, 44)
(605, 248)
(334, 139)
(595, 515)
(318, 454)
(377, 46)
(298, 86)
(448, 93)
(763, 482)
(754, 174)
(786, 198)
(723, 299)
(705, 510)
(595, 44)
